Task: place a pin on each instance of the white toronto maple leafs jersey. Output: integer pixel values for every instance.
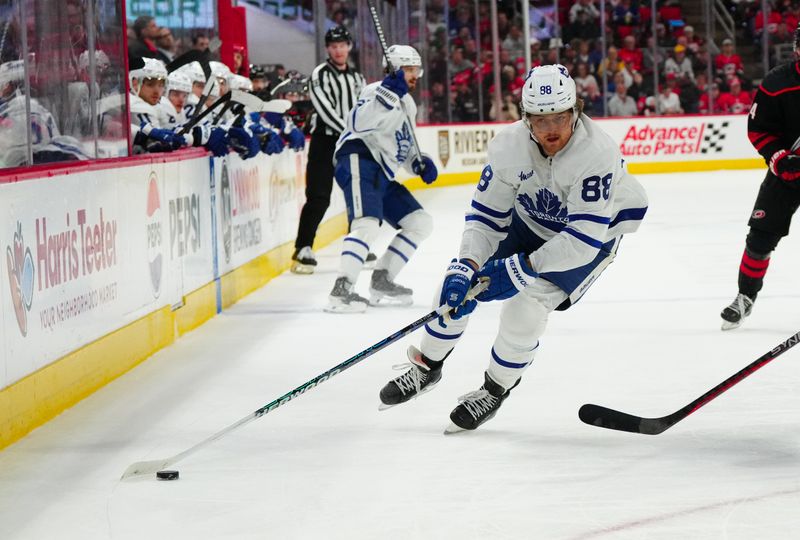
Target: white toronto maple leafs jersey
(576, 201)
(379, 121)
(170, 117)
(142, 113)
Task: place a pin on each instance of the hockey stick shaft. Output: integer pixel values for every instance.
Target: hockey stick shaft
(376, 21)
(149, 467)
(609, 418)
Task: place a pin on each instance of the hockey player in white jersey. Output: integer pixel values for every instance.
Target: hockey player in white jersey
(172, 104)
(378, 141)
(150, 134)
(546, 219)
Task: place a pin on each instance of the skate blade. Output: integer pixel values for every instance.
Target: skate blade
(389, 301)
(383, 406)
(727, 325)
(452, 429)
(343, 308)
(302, 269)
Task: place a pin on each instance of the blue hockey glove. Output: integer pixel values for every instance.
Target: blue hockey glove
(217, 142)
(257, 129)
(296, 139)
(457, 281)
(275, 120)
(167, 137)
(255, 117)
(425, 169)
(245, 144)
(506, 277)
(396, 82)
(271, 143)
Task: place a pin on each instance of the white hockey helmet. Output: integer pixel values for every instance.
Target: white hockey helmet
(153, 69)
(179, 82)
(238, 82)
(219, 70)
(12, 72)
(194, 71)
(101, 60)
(548, 90)
(402, 56)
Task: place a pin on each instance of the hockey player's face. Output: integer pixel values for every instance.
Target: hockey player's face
(152, 90)
(412, 74)
(178, 99)
(552, 130)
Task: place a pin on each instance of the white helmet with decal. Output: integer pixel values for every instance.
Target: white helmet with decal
(548, 90)
(403, 55)
(179, 82)
(152, 69)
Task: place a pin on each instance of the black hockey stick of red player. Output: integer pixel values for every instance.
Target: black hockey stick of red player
(595, 415)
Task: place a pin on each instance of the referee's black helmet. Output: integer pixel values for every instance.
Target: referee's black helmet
(338, 33)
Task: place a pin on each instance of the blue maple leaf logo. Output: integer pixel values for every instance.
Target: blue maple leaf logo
(547, 206)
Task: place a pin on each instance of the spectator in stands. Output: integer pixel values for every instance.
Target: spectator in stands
(165, 44)
(704, 101)
(509, 111)
(458, 63)
(737, 101)
(625, 14)
(679, 65)
(586, 87)
(438, 103)
(689, 95)
(728, 64)
(668, 101)
(773, 20)
(586, 7)
(200, 42)
(465, 106)
(637, 89)
(515, 42)
(613, 65)
(240, 65)
(621, 104)
(693, 41)
(631, 54)
(146, 32)
(583, 21)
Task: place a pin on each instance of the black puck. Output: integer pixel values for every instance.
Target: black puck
(167, 475)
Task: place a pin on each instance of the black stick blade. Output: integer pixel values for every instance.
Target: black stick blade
(603, 417)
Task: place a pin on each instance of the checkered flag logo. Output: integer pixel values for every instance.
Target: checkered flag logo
(714, 137)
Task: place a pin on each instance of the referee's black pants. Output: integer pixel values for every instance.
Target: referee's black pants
(319, 183)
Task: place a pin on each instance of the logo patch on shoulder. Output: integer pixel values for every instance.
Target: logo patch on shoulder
(759, 214)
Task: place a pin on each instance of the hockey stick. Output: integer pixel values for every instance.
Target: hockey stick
(141, 468)
(596, 415)
(382, 40)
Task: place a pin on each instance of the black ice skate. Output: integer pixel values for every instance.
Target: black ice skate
(421, 377)
(734, 314)
(382, 291)
(343, 300)
(369, 262)
(479, 406)
(304, 261)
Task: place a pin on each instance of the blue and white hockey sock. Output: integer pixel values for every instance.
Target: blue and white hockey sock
(507, 366)
(414, 228)
(355, 246)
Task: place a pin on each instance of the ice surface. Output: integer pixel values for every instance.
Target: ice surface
(645, 339)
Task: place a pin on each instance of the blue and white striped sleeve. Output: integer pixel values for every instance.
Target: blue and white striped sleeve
(489, 215)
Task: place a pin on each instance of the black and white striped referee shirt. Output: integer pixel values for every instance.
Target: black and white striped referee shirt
(334, 93)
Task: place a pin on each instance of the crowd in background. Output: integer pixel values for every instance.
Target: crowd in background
(645, 69)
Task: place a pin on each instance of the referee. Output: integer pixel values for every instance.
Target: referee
(334, 90)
